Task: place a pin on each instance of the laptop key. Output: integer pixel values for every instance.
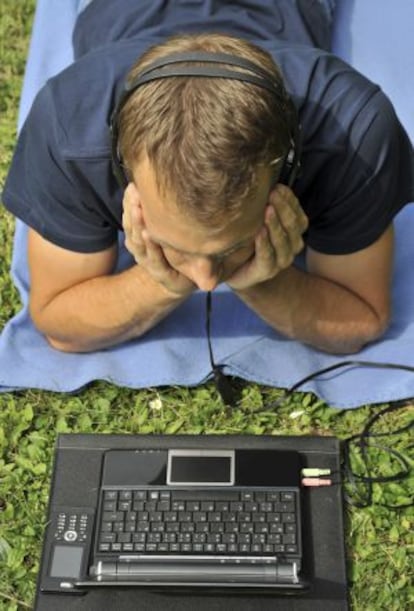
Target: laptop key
(140, 495)
(186, 547)
(273, 497)
(200, 516)
(110, 495)
(125, 495)
(288, 517)
(104, 547)
(116, 547)
(205, 495)
(139, 547)
(163, 547)
(284, 507)
(209, 548)
(124, 538)
(112, 516)
(127, 547)
(229, 538)
(109, 506)
(153, 538)
(163, 506)
(193, 506)
(229, 516)
(108, 538)
(150, 547)
(169, 538)
(198, 548)
(207, 506)
(139, 537)
(124, 505)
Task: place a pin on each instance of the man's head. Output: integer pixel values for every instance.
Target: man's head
(203, 152)
(206, 253)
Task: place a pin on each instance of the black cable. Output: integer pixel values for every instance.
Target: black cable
(352, 363)
(221, 381)
(361, 440)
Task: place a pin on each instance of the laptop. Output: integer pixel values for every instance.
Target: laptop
(183, 518)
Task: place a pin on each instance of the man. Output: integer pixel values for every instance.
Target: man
(204, 203)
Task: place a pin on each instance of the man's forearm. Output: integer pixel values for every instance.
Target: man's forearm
(315, 311)
(105, 311)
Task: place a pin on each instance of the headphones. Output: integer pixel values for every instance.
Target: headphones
(172, 66)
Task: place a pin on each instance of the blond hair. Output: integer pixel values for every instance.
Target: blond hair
(204, 137)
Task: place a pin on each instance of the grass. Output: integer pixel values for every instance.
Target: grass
(379, 540)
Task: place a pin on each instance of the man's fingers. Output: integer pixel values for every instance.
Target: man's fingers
(289, 208)
(290, 216)
(279, 239)
(133, 222)
(155, 256)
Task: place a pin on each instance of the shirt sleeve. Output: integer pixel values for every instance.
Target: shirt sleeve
(43, 189)
(365, 184)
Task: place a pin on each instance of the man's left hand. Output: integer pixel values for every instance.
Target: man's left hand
(277, 243)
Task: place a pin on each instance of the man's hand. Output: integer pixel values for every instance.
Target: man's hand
(277, 243)
(145, 252)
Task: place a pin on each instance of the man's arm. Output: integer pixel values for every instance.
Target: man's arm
(338, 305)
(80, 305)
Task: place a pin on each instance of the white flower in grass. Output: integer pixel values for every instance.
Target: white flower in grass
(156, 404)
(296, 414)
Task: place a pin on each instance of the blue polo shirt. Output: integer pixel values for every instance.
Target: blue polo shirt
(357, 160)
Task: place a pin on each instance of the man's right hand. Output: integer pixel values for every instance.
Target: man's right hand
(146, 253)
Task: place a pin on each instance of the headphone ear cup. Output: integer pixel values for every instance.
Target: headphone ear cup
(116, 161)
(291, 165)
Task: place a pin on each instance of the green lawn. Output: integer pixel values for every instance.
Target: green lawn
(379, 540)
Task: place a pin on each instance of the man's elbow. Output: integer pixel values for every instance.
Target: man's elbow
(359, 335)
(65, 346)
(377, 325)
(57, 341)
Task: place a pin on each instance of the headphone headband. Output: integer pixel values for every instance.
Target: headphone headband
(169, 66)
(198, 71)
(207, 58)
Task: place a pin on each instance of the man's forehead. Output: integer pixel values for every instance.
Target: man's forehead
(172, 228)
(169, 225)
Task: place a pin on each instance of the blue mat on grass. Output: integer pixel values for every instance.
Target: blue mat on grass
(175, 352)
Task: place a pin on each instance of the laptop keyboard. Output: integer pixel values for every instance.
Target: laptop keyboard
(199, 522)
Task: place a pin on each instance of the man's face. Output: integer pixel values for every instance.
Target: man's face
(206, 255)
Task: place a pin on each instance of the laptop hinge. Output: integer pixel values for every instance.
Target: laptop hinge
(207, 570)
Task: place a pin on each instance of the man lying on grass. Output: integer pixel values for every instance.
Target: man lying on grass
(219, 178)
